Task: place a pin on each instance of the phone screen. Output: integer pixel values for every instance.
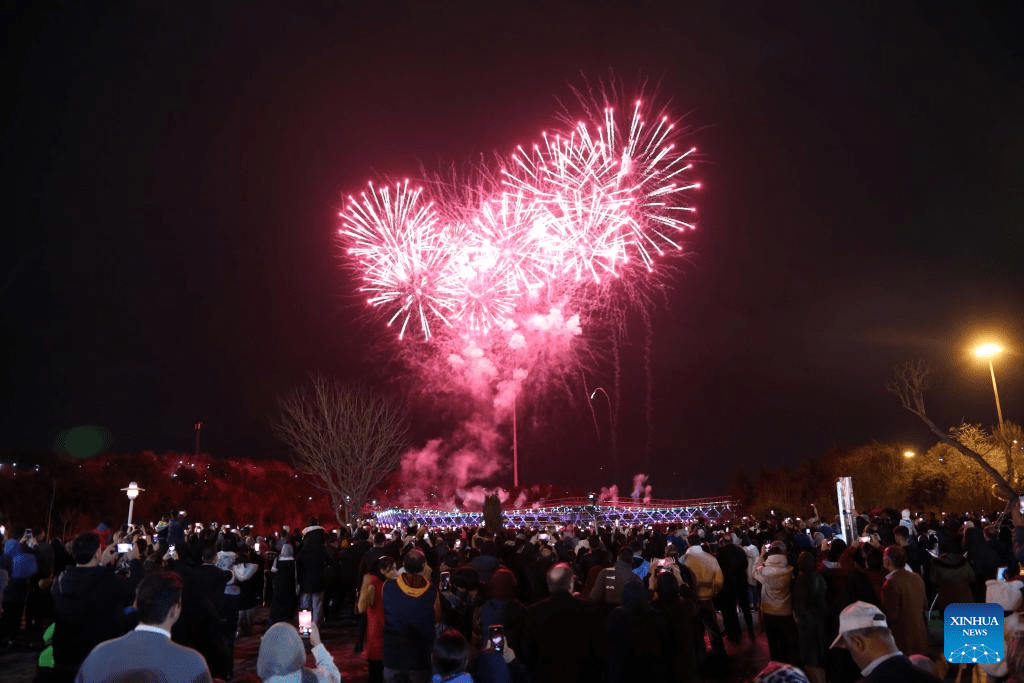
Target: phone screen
(1001, 574)
(496, 634)
(446, 581)
(124, 548)
(305, 623)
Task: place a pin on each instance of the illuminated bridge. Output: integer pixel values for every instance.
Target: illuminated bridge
(580, 511)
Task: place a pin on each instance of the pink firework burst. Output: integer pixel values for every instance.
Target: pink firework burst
(564, 217)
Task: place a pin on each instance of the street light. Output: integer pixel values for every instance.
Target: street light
(132, 490)
(988, 351)
(909, 454)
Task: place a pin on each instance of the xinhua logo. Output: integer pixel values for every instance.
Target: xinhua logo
(973, 632)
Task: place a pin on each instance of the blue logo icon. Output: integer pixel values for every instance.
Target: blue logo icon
(973, 632)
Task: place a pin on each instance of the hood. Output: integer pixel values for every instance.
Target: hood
(281, 651)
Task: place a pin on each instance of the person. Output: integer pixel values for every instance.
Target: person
(450, 658)
(283, 602)
(708, 581)
(411, 609)
(776, 576)
(680, 614)
(502, 608)
(733, 561)
(560, 642)
(952, 575)
(809, 612)
(905, 602)
(610, 581)
(282, 656)
(148, 649)
(371, 604)
(779, 672)
(1006, 594)
(638, 638)
(201, 623)
(864, 632)
(310, 564)
(88, 602)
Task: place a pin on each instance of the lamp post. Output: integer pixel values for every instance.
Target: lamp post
(988, 351)
(909, 454)
(132, 490)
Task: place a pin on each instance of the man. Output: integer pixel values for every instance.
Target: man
(88, 604)
(411, 609)
(905, 602)
(733, 561)
(560, 642)
(611, 580)
(200, 625)
(708, 581)
(310, 562)
(149, 648)
(864, 631)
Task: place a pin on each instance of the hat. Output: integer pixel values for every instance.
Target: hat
(777, 672)
(1004, 593)
(857, 616)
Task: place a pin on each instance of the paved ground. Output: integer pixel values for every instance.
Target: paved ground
(18, 665)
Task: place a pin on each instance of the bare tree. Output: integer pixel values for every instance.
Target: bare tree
(909, 385)
(345, 437)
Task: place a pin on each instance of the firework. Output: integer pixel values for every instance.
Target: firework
(565, 216)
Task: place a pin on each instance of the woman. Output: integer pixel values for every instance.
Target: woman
(502, 608)
(371, 604)
(284, 602)
(952, 576)
(246, 573)
(282, 655)
(809, 611)
(776, 576)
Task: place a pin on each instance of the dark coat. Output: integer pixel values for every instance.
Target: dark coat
(88, 605)
(311, 560)
(284, 602)
(562, 640)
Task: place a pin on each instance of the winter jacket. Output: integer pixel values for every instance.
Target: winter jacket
(706, 572)
(953, 577)
(776, 577)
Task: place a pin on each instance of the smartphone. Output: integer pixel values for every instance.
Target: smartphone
(305, 623)
(496, 634)
(543, 537)
(446, 581)
(170, 549)
(1001, 574)
(865, 539)
(256, 547)
(123, 548)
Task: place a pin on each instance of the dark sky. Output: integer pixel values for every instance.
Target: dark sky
(173, 172)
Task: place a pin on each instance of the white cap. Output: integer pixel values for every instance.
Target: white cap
(857, 616)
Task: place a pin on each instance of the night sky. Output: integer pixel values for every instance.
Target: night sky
(173, 172)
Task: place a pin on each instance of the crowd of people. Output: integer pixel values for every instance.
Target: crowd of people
(559, 603)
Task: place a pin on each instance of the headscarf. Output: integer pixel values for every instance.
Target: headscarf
(281, 651)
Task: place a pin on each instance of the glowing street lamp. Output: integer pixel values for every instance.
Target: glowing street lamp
(909, 454)
(988, 351)
(132, 490)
